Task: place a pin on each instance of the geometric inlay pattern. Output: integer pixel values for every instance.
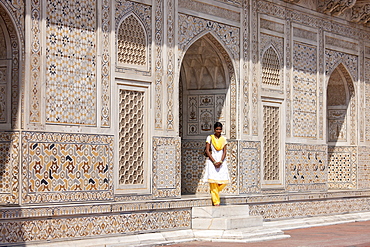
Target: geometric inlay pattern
(304, 90)
(66, 167)
(249, 167)
(131, 137)
(131, 42)
(166, 170)
(306, 167)
(193, 165)
(9, 167)
(166, 167)
(71, 62)
(364, 168)
(271, 142)
(342, 167)
(283, 210)
(78, 227)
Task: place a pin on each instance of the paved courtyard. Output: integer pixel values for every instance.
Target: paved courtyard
(356, 234)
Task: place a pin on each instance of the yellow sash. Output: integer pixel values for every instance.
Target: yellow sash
(218, 143)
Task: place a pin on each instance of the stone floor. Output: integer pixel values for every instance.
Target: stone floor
(356, 234)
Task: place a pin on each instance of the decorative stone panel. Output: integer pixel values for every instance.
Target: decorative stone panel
(304, 90)
(306, 167)
(166, 167)
(342, 167)
(272, 26)
(58, 167)
(249, 167)
(285, 210)
(159, 58)
(71, 65)
(201, 7)
(203, 112)
(363, 168)
(106, 64)
(367, 98)
(9, 168)
(78, 227)
(192, 167)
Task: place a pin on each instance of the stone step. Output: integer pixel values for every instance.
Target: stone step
(220, 212)
(226, 223)
(240, 235)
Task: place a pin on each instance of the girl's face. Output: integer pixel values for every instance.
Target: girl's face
(218, 131)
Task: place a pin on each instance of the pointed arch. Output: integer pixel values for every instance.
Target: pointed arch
(132, 42)
(340, 105)
(204, 67)
(10, 67)
(223, 50)
(271, 67)
(341, 129)
(230, 75)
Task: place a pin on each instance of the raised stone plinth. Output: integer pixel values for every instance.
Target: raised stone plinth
(224, 218)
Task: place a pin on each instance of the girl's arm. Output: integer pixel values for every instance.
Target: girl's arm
(209, 154)
(224, 154)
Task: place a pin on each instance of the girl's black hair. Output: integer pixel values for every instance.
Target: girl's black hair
(217, 124)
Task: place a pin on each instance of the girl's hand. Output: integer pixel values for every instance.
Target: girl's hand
(217, 164)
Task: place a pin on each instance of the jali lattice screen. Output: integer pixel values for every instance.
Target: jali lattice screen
(131, 42)
(131, 138)
(271, 141)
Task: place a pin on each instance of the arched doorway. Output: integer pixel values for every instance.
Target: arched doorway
(205, 77)
(5, 75)
(10, 74)
(341, 103)
(11, 60)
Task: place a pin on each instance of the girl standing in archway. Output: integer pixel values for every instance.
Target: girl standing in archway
(216, 173)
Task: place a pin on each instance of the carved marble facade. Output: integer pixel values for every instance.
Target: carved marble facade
(105, 107)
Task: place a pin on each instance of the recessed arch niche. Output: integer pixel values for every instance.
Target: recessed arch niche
(206, 84)
(341, 130)
(340, 98)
